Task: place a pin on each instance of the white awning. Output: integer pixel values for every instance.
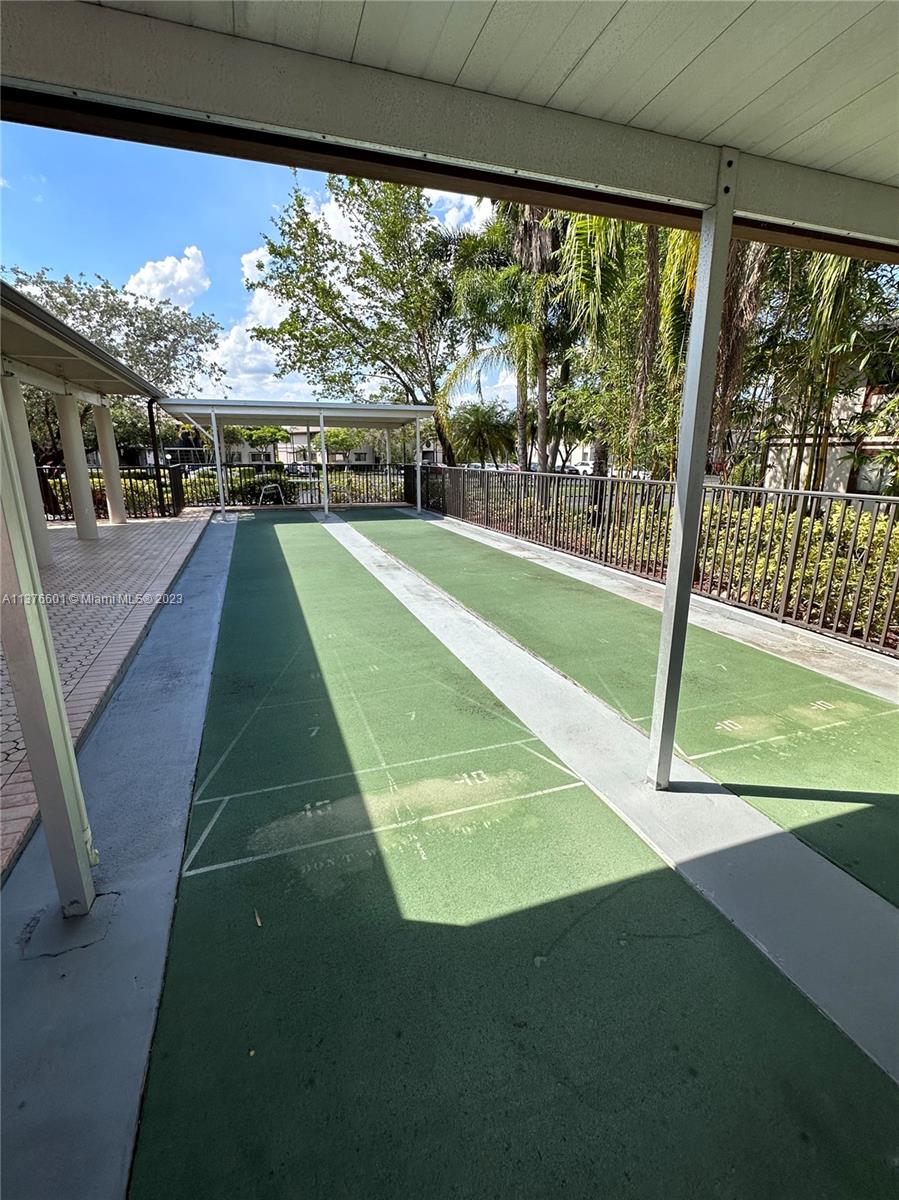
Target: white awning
(337, 415)
(45, 352)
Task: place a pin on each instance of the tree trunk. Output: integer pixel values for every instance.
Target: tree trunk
(521, 419)
(600, 457)
(823, 446)
(852, 481)
(446, 445)
(542, 412)
(564, 378)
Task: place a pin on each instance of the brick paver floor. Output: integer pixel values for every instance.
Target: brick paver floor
(92, 636)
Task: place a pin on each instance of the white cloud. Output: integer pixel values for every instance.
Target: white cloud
(250, 365)
(180, 280)
(459, 212)
(338, 223)
(496, 386)
(4, 183)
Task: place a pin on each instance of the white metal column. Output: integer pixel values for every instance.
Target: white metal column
(387, 447)
(308, 446)
(109, 461)
(218, 461)
(33, 675)
(698, 394)
(418, 464)
(24, 452)
(77, 477)
(324, 452)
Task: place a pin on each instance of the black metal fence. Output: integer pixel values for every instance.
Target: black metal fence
(148, 492)
(294, 484)
(820, 560)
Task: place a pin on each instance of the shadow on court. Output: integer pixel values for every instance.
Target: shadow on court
(885, 800)
(524, 1004)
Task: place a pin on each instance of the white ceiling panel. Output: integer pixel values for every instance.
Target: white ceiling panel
(815, 82)
(217, 15)
(878, 161)
(564, 50)
(327, 28)
(849, 65)
(430, 40)
(512, 40)
(860, 124)
(755, 51)
(463, 27)
(640, 51)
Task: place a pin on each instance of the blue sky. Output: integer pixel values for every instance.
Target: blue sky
(166, 223)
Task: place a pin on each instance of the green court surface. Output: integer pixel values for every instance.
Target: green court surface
(819, 757)
(413, 957)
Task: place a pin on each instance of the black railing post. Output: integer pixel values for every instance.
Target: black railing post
(157, 462)
(176, 482)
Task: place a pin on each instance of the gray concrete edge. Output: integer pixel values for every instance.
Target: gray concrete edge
(834, 938)
(80, 997)
(864, 669)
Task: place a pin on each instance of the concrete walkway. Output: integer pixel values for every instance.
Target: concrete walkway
(98, 615)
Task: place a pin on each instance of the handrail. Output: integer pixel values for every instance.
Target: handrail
(731, 487)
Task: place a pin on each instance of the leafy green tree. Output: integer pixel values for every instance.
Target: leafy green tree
(483, 430)
(167, 345)
(373, 308)
(342, 441)
(264, 437)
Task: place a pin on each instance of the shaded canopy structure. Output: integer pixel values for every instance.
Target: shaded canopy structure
(215, 414)
(40, 350)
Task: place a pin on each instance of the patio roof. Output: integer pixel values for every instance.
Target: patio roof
(49, 354)
(337, 415)
(615, 108)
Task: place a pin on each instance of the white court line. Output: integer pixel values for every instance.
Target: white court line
(552, 762)
(409, 762)
(204, 835)
(480, 703)
(245, 725)
(782, 737)
(345, 837)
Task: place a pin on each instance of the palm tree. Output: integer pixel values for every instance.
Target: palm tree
(536, 241)
(494, 298)
(483, 429)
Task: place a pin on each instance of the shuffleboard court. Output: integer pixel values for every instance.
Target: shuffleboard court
(413, 956)
(817, 756)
